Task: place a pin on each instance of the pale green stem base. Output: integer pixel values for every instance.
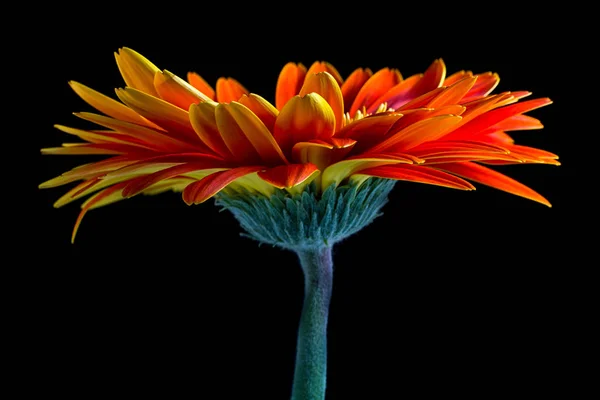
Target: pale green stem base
(310, 374)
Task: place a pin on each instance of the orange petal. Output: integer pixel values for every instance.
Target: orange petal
(418, 174)
(137, 71)
(303, 119)
(322, 66)
(431, 79)
(419, 101)
(370, 130)
(228, 90)
(378, 84)
(257, 133)
(325, 85)
(457, 76)
(352, 85)
(234, 137)
(491, 118)
(288, 176)
(413, 116)
(530, 154)
(262, 108)
(485, 84)
(289, 83)
(152, 138)
(202, 190)
(199, 83)
(137, 185)
(453, 94)
(176, 91)
(108, 106)
(417, 133)
(175, 120)
(486, 176)
(516, 123)
(399, 94)
(203, 120)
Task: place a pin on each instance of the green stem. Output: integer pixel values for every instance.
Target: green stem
(311, 354)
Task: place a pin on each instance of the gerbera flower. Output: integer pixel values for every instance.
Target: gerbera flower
(305, 172)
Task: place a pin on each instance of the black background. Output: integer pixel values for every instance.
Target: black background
(449, 293)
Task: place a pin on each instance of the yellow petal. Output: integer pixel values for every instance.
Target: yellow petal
(138, 72)
(202, 117)
(303, 119)
(175, 120)
(257, 133)
(325, 85)
(323, 66)
(262, 108)
(109, 106)
(336, 173)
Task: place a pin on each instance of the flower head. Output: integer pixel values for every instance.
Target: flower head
(167, 133)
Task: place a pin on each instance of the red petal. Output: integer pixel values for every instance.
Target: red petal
(138, 184)
(486, 176)
(288, 176)
(202, 190)
(418, 174)
(491, 118)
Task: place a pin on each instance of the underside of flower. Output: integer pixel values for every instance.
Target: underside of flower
(308, 220)
(323, 132)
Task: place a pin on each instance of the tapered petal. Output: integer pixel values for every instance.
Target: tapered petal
(202, 190)
(88, 170)
(257, 133)
(199, 83)
(289, 83)
(323, 66)
(105, 197)
(489, 177)
(137, 71)
(234, 137)
(491, 118)
(137, 185)
(431, 79)
(485, 84)
(303, 119)
(353, 84)
(173, 119)
(109, 106)
(378, 84)
(228, 90)
(176, 91)
(325, 85)
(417, 133)
(203, 120)
(155, 139)
(418, 174)
(264, 110)
(288, 176)
(453, 94)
